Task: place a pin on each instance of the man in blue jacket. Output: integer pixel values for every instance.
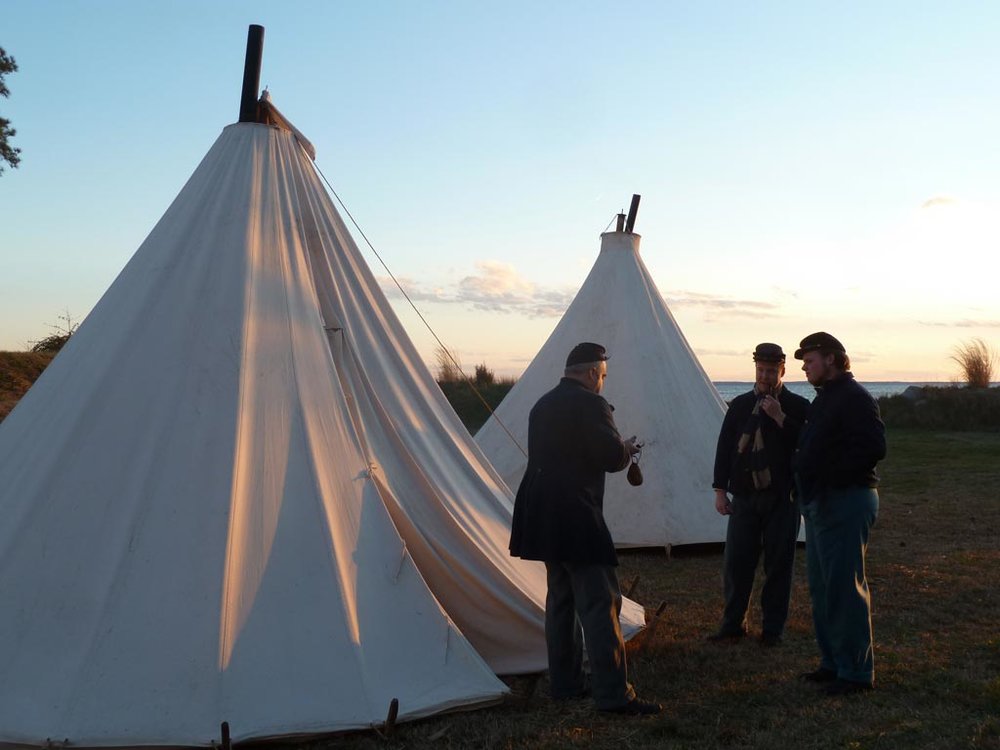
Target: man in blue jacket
(559, 519)
(842, 441)
(753, 463)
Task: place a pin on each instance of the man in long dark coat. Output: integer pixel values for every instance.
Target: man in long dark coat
(559, 519)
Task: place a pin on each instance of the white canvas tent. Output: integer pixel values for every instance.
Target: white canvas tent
(238, 495)
(658, 389)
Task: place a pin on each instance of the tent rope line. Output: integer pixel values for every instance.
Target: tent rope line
(423, 320)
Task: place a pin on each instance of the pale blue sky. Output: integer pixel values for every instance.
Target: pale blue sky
(786, 154)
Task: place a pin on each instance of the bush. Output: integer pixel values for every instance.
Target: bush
(52, 343)
(463, 399)
(62, 333)
(947, 408)
(484, 375)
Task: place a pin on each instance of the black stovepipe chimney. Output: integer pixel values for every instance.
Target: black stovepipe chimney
(251, 74)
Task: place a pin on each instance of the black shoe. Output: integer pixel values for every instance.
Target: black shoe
(769, 640)
(847, 687)
(820, 675)
(726, 636)
(634, 707)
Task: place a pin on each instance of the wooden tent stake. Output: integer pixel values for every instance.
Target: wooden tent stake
(647, 637)
(632, 586)
(390, 719)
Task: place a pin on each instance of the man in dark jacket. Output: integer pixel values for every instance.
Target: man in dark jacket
(841, 443)
(559, 519)
(753, 462)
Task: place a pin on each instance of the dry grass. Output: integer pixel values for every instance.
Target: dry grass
(977, 361)
(934, 571)
(18, 370)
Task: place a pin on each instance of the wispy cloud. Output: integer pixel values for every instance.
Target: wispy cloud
(782, 291)
(719, 305)
(499, 287)
(495, 287)
(722, 352)
(937, 200)
(961, 323)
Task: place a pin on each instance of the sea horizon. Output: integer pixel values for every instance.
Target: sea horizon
(729, 389)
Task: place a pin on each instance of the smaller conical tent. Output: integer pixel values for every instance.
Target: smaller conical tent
(238, 495)
(659, 392)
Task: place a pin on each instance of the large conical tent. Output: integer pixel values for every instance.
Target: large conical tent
(238, 495)
(658, 389)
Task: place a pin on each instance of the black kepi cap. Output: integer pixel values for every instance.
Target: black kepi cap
(586, 352)
(768, 353)
(816, 341)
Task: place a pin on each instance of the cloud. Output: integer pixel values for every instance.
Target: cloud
(782, 291)
(411, 287)
(722, 306)
(937, 200)
(685, 298)
(961, 323)
(499, 287)
(495, 287)
(722, 352)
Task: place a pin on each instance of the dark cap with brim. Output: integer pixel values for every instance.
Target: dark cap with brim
(819, 341)
(768, 353)
(586, 352)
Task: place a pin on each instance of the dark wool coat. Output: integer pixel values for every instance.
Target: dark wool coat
(559, 509)
(842, 440)
(731, 469)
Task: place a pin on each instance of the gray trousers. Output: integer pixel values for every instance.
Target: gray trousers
(760, 521)
(584, 601)
(838, 523)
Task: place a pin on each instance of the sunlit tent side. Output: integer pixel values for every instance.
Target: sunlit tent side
(238, 495)
(658, 389)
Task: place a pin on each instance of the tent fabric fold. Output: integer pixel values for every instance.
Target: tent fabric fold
(238, 495)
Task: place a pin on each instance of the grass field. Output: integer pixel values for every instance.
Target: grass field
(934, 572)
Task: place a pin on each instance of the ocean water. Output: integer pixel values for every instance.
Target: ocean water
(728, 389)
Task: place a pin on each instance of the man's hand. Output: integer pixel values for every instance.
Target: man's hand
(722, 503)
(772, 407)
(632, 446)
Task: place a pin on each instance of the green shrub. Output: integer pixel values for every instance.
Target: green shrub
(944, 408)
(466, 403)
(484, 375)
